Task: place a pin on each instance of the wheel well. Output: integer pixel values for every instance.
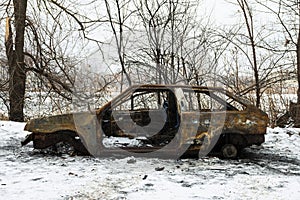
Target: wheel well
(43, 140)
(74, 140)
(234, 138)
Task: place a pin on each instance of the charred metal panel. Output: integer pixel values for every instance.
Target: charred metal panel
(51, 124)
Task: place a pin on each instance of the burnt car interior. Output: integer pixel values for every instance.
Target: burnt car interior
(150, 114)
(153, 115)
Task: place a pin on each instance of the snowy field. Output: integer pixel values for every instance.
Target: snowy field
(271, 171)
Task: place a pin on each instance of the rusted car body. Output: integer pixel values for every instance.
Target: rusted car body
(164, 121)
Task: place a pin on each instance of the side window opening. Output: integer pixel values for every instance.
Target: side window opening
(211, 101)
(232, 104)
(202, 101)
(143, 100)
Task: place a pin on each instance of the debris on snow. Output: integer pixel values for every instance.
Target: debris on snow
(131, 160)
(159, 168)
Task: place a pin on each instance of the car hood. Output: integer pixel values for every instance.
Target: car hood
(72, 121)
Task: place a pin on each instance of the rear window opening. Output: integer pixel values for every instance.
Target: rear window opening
(211, 101)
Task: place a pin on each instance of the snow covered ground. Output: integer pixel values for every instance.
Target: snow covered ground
(271, 171)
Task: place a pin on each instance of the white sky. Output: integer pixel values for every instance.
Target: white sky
(220, 11)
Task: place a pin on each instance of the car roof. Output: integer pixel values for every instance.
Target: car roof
(160, 86)
(192, 88)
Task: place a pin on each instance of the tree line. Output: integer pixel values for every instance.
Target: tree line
(139, 41)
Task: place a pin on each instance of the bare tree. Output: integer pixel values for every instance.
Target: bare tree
(288, 15)
(287, 27)
(248, 17)
(15, 55)
(35, 46)
(117, 25)
(167, 25)
(248, 51)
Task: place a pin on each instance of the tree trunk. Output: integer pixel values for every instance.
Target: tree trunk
(15, 56)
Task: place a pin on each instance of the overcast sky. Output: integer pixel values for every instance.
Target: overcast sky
(221, 11)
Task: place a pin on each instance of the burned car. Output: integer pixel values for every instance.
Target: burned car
(157, 120)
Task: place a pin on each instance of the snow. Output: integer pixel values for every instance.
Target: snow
(270, 171)
(120, 141)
